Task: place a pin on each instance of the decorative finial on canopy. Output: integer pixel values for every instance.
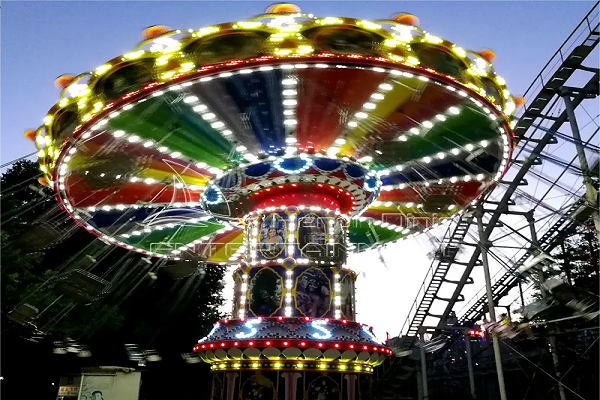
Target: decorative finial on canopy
(407, 19)
(63, 80)
(29, 134)
(488, 54)
(155, 30)
(283, 8)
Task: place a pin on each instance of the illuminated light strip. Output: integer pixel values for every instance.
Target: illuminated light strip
(253, 241)
(289, 283)
(499, 174)
(375, 222)
(453, 179)
(300, 365)
(409, 234)
(499, 80)
(391, 171)
(243, 295)
(370, 106)
(290, 245)
(171, 225)
(306, 166)
(302, 206)
(206, 113)
(250, 326)
(407, 204)
(337, 291)
(238, 253)
(374, 346)
(428, 125)
(277, 262)
(292, 209)
(225, 132)
(97, 232)
(290, 100)
(220, 198)
(120, 134)
(122, 207)
(149, 181)
(212, 331)
(62, 171)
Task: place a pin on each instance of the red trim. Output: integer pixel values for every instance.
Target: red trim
(298, 343)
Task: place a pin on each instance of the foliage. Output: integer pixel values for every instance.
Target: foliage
(164, 313)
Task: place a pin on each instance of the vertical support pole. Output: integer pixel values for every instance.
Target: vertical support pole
(535, 245)
(551, 339)
(561, 389)
(521, 294)
(591, 194)
(419, 385)
(423, 364)
(470, 363)
(484, 244)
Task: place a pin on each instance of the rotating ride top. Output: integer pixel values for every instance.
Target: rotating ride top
(279, 145)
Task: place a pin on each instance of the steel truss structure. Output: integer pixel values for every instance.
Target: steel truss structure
(542, 198)
(524, 215)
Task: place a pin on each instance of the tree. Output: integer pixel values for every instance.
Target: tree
(165, 314)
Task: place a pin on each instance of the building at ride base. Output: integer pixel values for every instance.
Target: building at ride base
(279, 144)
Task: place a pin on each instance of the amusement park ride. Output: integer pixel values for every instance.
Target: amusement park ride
(280, 145)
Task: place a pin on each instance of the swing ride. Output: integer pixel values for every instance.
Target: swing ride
(279, 145)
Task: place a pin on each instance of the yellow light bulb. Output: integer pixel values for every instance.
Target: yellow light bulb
(247, 25)
(330, 21)
(102, 69)
(206, 31)
(133, 55)
(370, 25)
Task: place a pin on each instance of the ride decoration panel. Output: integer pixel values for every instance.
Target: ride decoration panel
(293, 291)
(292, 339)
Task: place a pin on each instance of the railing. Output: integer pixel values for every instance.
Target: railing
(588, 25)
(428, 278)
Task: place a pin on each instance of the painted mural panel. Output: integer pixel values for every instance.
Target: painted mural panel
(347, 296)
(266, 289)
(272, 232)
(312, 231)
(313, 293)
(258, 388)
(323, 388)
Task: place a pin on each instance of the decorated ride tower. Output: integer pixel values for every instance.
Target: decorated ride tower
(279, 145)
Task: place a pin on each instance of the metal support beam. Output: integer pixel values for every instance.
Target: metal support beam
(535, 244)
(561, 388)
(470, 364)
(423, 364)
(510, 190)
(460, 298)
(469, 281)
(484, 245)
(591, 194)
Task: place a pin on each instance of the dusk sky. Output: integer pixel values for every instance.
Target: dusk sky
(42, 40)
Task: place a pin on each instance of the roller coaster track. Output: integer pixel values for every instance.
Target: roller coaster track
(436, 275)
(578, 212)
(543, 95)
